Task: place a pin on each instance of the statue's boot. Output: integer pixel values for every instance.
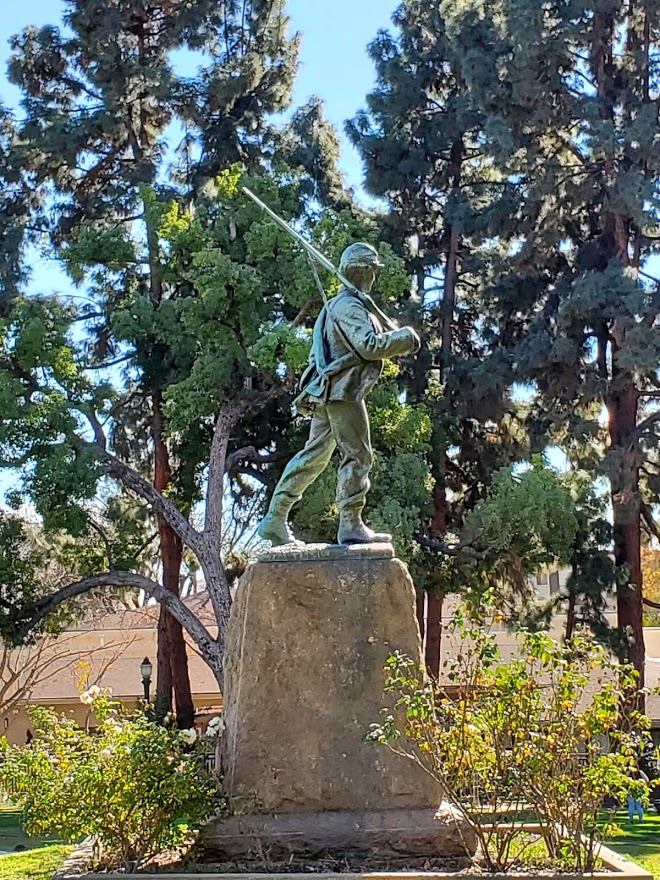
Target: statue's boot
(274, 527)
(353, 531)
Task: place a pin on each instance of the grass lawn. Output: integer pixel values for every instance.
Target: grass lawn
(35, 864)
(640, 842)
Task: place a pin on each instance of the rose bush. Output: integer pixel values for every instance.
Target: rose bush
(134, 785)
(546, 736)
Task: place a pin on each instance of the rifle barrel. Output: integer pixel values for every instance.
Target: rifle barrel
(318, 256)
(323, 260)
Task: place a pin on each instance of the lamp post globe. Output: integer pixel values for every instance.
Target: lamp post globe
(146, 668)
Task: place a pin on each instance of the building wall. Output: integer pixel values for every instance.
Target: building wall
(107, 652)
(548, 584)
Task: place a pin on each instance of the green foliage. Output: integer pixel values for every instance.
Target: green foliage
(506, 737)
(443, 190)
(166, 294)
(527, 520)
(17, 200)
(523, 193)
(282, 345)
(131, 784)
(18, 565)
(25, 578)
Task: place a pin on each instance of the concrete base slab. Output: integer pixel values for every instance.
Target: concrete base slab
(414, 832)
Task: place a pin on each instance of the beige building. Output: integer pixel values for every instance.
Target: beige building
(548, 584)
(107, 651)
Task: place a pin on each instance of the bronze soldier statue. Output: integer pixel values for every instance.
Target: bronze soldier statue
(351, 339)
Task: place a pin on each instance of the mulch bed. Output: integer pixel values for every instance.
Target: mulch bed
(324, 863)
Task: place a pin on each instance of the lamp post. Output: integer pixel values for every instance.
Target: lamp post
(146, 669)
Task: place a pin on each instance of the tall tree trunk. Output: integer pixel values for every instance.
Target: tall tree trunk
(420, 610)
(439, 519)
(622, 410)
(163, 695)
(433, 651)
(622, 400)
(172, 647)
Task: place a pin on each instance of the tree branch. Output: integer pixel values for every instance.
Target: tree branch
(99, 434)
(123, 580)
(224, 424)
(448, 549)
(250, 455)
(216, 484)
(647, 516)
(132, 480)
(647, 422)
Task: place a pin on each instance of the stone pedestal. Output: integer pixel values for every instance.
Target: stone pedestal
(306, 646)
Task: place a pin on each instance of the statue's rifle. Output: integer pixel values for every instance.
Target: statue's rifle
(315, 254)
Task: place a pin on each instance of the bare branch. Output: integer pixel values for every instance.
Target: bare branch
(250, 455)
(217, 467)
(648, 422)
(108, 364)
(132, 480)
(21, 669)
(449, 549)
(99, 434)
(651, 524)
(123, 580)
(225, 422)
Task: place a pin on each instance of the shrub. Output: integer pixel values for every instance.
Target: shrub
(510, 739)
(133, 785)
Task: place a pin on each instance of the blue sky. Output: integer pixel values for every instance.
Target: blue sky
(334, 64)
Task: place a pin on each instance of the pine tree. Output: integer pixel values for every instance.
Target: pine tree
(421, 140)
(15, 211)
(100, 101)
(572, 106)
(233, 276)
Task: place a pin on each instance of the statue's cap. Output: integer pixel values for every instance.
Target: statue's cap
(359, 254)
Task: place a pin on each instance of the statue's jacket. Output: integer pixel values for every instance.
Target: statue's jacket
(349, 345)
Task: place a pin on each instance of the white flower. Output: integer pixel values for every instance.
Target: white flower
(87, 697)
(106, 754)
(215, 726)
(188, 736)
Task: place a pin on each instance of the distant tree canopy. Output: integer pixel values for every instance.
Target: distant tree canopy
(515, 144)
(515, 147)
(90, 174)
